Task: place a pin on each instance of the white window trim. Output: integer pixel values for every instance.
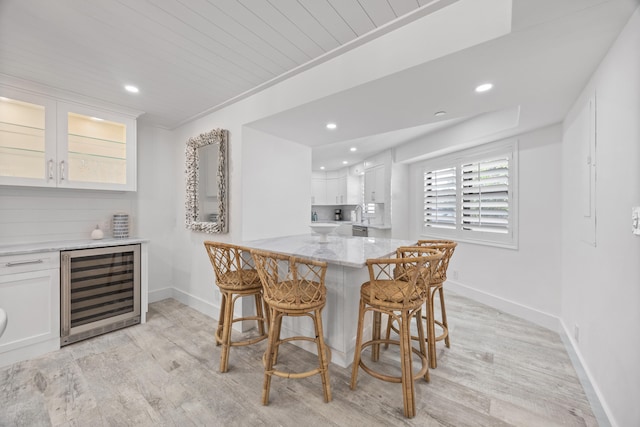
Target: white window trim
(508, 240)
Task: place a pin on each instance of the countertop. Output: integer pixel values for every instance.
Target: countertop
(364, 224)
(64, 245)
(347, 251)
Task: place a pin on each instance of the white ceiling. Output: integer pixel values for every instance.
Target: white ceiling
(192, 56)
(540, 68)
(186, 56)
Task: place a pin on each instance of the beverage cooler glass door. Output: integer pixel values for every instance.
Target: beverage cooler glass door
(100, 291)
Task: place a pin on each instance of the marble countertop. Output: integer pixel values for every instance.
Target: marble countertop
(365, 224)
(341, 250)
(64, 245)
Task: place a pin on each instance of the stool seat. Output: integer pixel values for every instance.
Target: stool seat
(240, 280)
(296, 296)
(236, 277)
(394, 296)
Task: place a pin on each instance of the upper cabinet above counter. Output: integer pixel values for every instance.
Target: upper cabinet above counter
(335, 188)
(46, 142)
(366, 182)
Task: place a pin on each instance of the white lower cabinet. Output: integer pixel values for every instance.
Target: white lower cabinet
(30, 295)
(383, 233)
(344, 230)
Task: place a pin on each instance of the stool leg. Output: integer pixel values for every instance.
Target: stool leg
(267, 313)
(276, 343)
(358, 349)
(431, 329)
(444, 316)
(259, 313)
(375, 335)
(268, 357)
(388, 336)
(322, 356)
(408, 388)
(421, 340)
(226, 332)
(223, 301)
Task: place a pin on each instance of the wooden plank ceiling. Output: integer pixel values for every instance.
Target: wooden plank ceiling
(186, 56)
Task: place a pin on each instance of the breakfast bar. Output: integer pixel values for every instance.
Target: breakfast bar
(346, 270)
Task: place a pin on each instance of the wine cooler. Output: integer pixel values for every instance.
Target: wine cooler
(99, 291)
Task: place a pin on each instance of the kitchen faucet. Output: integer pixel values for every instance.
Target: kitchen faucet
(359, 207)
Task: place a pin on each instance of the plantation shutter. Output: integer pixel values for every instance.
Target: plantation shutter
(485, 196)
(440, 198)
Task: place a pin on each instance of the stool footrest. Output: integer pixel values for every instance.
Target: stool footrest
(390, 378)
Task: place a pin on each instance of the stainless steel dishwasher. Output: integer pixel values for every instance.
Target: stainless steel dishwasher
(360, 230)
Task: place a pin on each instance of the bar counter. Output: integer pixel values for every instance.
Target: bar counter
(346, 271)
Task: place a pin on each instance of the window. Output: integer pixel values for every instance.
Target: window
(440, 198)
(485, 196)
(367, 208)
(470, 195)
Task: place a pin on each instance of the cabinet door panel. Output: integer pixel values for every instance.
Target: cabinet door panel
(96, 149)
(318, 191)
(32, 302)
(27, 139)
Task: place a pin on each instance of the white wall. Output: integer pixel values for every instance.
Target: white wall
(276, 186)
(399, 206)
(601, 284)
(30, 214)
(155, 200)
(526, 281)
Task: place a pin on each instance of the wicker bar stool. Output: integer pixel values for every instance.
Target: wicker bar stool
(436, 285)
(236, 277)
(293, 286)
(396, 287)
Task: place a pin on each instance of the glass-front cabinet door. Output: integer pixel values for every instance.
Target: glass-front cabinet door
(48, 143)
(27, 140)
(96, 149)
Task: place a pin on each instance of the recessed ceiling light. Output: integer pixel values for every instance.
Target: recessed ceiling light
(484, 87)
(132, 89)
(321, 167)
(97, 119)
(353, 149)
(2, 98)
(344, 162)
(331, 126)
(439, 113)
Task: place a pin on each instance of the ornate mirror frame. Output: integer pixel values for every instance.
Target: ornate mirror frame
(220, 138)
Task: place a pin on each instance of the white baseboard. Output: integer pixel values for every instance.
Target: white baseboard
(546, 320)
(160, 294)
(599, 406)
(204, 307)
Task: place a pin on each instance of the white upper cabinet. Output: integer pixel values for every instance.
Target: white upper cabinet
(96, 149)
(45, 143)
(318, 190)
(374, 185)
(27, 139)
(335, 188)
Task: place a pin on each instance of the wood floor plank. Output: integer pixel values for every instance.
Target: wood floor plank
(499, 371)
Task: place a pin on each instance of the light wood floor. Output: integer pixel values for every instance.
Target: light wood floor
(500, 370)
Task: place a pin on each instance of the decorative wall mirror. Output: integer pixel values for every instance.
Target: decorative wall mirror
(206, 169)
